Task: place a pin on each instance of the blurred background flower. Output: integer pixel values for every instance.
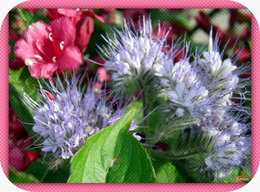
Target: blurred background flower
(18, 140)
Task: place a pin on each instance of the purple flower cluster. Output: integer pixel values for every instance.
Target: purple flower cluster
(133, 57)
(231, 148)
(198, 89)
(66, 115)
(200, 94)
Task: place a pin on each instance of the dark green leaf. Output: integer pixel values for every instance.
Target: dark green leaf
(20, 177)
(19, 82)
(48, 172)
(112, 155)
(37, 168)
(96, 38)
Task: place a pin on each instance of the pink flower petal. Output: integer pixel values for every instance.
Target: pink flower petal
(48, 48)
(36, 31)
(68, 12)
(70, 59)
(63, 31)
(39, 70)
(84, 29)
(23, 49)
(36, 42)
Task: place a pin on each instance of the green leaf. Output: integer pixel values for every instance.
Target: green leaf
(165, 171)
(112, 155)
(47, 172)
(131, 164)
(20, 177)
(23, 78)
(21, 81)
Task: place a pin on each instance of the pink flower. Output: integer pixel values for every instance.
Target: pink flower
(102, 75)
(166, 28)
(48, 48)
(82, 19)
(16, 128)
(21, 159)
(73, 14)
(243, 54)
(16, 64)
(18, 140)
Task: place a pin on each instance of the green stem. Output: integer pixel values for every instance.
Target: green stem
(145, 106)
(45, 174)
(177, 157)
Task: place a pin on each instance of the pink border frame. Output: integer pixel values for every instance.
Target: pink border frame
(4, 50)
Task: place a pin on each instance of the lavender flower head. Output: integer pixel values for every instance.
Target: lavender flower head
(221, 74)
(187, 96)
(226, 124)
(133, 57)
(66, 115)
(200, 88)
(232, 147)
(199, 96)
(184, 88)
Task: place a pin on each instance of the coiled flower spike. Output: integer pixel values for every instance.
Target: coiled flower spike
(199, 97)
(133, 57)
(67, 114)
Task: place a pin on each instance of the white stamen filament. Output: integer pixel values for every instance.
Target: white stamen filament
(38, 57)
(37, 44)
(61, 45)
(54, 59)
(50, 37)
